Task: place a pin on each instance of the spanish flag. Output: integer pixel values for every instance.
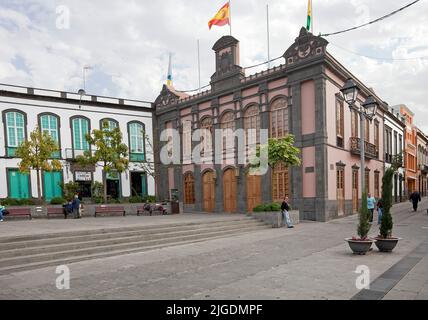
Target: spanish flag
(308, 24)
(222, 17)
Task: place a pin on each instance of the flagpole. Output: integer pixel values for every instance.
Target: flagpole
(268, 33)
(312, 17)
(230, 16)
(199, 68)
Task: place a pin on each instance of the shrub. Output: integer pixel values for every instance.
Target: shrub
(56, 201)
(386, 223)
(270, 207)
(9, 202)
(136, 199)
(259, 208)
(363, 225)
(70, 189)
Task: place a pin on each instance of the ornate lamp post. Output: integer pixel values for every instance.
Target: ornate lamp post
(366, 111)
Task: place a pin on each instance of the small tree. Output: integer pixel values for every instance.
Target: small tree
(364, 225)
(279, 151)
(69, 189)
(36, 154)
(109, 152)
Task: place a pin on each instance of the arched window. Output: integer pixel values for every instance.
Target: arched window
(109, 124)
(206, 137)
(228, 141)
(252, 129)
(279, 129)
(15, 123)
(189, 188)
(49, 123)
(136, 141)
(187, 141)
(80, 128)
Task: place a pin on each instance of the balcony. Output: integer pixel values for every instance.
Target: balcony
(371, 151)
(423, 168)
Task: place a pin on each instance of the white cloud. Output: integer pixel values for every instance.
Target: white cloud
(128, 43)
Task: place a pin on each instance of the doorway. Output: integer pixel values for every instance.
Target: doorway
(229, 191)
(139, 184)
(208, 191)
(254, 195)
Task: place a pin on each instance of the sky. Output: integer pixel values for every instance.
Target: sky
(47, 43)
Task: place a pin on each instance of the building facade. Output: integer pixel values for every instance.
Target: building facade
(67, 118)
(301, 97)
(394, 147)
(422, 159)
(410, 149)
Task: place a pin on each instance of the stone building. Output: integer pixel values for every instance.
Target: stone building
(300, 97)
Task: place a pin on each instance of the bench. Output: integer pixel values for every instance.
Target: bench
(108, 209)
(160, 210)
(56, 211)
(19, 212)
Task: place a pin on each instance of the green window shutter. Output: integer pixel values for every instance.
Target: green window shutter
(144, 184)
(136, 138)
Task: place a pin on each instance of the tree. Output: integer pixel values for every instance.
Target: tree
(109, 152)
(279, 151)
(36, 154)
(364, 225)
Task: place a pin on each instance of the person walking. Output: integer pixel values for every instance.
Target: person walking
(415, 198)
(371, 202)
(76, 206)
(379, 211)
(285, 214)
(2, 209)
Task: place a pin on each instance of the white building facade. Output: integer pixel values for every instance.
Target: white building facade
(394, 145)
(68, 117)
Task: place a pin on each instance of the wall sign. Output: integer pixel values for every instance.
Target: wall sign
(83, 176)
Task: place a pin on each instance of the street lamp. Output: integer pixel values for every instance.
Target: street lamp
(366, 111)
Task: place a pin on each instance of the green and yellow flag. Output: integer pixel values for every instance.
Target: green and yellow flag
(308, 24)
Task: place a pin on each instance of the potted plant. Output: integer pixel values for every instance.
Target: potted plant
(362, 244)
(385, 242)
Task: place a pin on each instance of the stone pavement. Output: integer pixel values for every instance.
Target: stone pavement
(309, 262)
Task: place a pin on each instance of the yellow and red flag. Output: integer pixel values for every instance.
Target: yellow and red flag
(222, 17)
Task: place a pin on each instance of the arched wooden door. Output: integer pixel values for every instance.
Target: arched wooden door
(254, 194)
(189, 188)
(229, 191)
(208, 184)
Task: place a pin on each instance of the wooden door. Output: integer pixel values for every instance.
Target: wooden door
(208, 191)
(355, 191)
(254, 195)
(341, 192)
(229, 191)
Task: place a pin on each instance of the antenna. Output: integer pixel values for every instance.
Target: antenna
(84, 75)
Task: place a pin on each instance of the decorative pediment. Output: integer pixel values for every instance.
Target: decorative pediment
(167, 97)
(305, 46)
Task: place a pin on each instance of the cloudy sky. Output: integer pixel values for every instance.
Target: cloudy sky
(126, 42)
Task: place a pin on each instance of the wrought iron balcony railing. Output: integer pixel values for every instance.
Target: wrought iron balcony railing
(371, 151)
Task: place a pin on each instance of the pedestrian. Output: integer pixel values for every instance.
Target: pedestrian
(76, 206)
(379, 211)
(415, 198)
(285, 208)
(2, 209)
(371, 202)
(68, 208)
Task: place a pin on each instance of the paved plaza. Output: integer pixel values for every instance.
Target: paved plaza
(311, 261)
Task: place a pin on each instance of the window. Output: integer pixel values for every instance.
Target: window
(376, 185)
(189, 189)
(376, 136)
(395, 143)
(15, 123)
(400, 144)
(228, 134)
(340, 186)
(252, 129)
(279, 129)
(80, 127)
(49, 124)
(187, 141)
(367, 181)
(279, 118)
(354, 124)
(340, 123)
(367, 129)
(206, 137)
(109, 124)
(136, 141)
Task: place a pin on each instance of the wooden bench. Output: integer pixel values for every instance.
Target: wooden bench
(19, 212)
(109, 209)
(52, 211)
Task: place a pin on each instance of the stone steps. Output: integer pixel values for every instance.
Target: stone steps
(45, 252)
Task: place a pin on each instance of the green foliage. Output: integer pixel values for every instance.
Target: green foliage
(97, 189)
(139, 199)
(70, 189)
(10, 202)
(364, 225)
(279, 151)
(55, 201)
(36, 154)
(269, 207)
(387, 224)
(109, 152)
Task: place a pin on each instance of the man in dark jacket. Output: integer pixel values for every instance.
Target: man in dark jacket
(76, 206)
(415, 197)
(285, 215)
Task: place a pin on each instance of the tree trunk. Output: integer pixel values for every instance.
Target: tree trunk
(105, 186)
(39, 194)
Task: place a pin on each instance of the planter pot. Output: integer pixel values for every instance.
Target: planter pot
(359, 247)
(386, 245)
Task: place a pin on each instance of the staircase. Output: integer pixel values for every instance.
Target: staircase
(38, 251)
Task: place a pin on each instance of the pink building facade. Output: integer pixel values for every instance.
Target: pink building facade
(301, 97)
